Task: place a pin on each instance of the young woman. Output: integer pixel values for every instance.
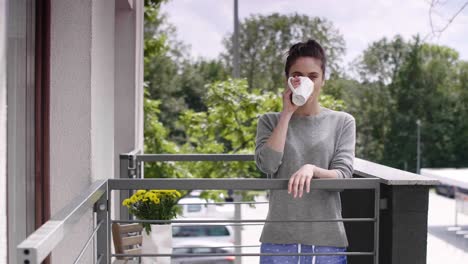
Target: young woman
(301, 144)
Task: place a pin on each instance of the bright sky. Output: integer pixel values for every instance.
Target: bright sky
(203, 23)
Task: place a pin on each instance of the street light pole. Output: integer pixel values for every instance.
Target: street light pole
(236, 69)
(237, 197)
(418, 147)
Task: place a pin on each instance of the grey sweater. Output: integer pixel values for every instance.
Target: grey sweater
(326, 140)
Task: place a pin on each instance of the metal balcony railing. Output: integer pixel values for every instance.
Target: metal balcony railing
(43, 241)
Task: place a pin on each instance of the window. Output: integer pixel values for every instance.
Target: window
(194, 208)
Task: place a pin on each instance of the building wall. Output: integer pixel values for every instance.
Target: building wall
(20, 123)
(128, 125)
(85, 102)
(3, 124)
(70, 114)
(102, 89)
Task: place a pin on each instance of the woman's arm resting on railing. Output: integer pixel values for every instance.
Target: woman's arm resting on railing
(270, 141)
(301, 179)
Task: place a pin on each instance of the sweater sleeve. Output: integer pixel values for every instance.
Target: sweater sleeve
(343, 157)
(267, 159)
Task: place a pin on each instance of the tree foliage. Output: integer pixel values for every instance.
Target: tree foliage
(264, 40)
(192, 106)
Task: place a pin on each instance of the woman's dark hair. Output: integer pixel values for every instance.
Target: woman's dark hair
(310, 48)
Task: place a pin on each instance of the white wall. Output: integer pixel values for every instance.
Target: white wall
(3, 124)
(129, 74)
(82, 107)
(70, 113)
(128, 125)
(102, 91)
(95, 61)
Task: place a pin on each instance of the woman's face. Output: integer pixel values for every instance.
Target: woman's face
(310, 67)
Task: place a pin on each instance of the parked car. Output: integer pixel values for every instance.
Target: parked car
(198, 207)
(202, 246)
(445, 190)
(215, 232)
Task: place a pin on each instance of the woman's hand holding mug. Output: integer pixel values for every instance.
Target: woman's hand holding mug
(288, 106)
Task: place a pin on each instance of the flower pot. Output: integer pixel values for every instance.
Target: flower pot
(159, 241)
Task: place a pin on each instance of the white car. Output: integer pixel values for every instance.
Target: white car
(215, 232)
(202, 246)
(197, 207)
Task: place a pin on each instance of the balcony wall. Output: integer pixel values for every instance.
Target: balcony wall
(403, 215)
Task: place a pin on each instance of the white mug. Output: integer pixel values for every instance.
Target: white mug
(303, 91)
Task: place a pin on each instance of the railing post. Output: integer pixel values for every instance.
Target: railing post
(102, 210)
(127, 170)
(376, 223)
(238, 228)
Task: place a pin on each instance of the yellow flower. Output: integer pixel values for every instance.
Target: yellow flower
(140, 192)
(126, 202)
(155, 200)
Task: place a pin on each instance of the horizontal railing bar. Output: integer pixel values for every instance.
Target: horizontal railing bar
(39, 244)
(247, 254)
(244, 221)
(362, 167)
(259, 224)
(237, 184)
(194, 157)
(223, 203)
(251, 246)
(88, 242)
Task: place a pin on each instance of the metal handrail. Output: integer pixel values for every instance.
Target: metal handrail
(251, 184)
(36, 247)
(193, 157)
(141, 158)
(236, 184)
(41, 243)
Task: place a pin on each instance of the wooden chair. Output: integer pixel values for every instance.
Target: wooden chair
(126, 242)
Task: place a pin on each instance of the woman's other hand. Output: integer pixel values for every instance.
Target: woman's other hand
(301, 179)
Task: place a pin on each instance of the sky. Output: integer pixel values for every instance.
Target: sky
(203, 24)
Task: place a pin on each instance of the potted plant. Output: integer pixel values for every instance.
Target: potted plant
(155, 205)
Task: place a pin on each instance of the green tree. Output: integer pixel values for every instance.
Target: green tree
(400, 82)
(264, 40)
(171, 76)
(461, 114)
(367, 96)
(423, 90)
(369, 103)
(156, 141)
(382, 60)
